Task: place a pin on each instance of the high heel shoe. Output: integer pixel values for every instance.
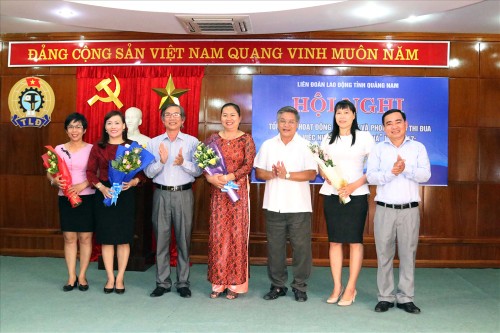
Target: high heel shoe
(109, 290)
(70, 287)
(120, 291)
(344, 302)
(333, 300)
(83, 287)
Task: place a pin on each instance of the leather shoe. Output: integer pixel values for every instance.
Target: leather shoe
(184, 292)
(409, 307)
(70, 287)
(159, 291)
(120, 291)
(108, 290)
(275, 293)
(300, 296)
(83, 287)
(383, 306)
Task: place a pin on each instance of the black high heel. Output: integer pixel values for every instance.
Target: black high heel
(70, 287)
(83, 287)
(120, 291)
(109, 290)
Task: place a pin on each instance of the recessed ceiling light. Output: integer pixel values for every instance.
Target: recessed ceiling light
(371, 11)
(66, 13)
(412, 18)
(415, 18)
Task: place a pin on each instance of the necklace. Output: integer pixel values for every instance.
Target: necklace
(228, 138)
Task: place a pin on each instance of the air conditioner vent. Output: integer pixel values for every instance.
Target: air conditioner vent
(208, 24)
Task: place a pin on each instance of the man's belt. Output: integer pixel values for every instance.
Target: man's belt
(174, 188)
(403, 206)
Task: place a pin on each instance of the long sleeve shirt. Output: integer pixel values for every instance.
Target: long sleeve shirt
(402, 188)
(169, 174)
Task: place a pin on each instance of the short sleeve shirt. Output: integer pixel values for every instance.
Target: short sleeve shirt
(282, 195)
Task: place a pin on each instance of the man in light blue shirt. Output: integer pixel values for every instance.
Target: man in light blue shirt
(173, 173)
(397, 166)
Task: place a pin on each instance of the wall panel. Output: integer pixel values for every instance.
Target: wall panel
(489, 156)
(450, 211)
(488, 211)
(464, 61)
(463, 153)
(490, 59)
(488, 112)
(460, 112)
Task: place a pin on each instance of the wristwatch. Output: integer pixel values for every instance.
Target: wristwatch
(287, 176)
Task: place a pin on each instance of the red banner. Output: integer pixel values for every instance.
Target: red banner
(384, 53)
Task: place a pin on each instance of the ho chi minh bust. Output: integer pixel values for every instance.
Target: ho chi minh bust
(133, 119)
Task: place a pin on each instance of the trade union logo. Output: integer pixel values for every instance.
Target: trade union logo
(31, 102)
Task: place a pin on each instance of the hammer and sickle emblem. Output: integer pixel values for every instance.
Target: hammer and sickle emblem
(112, 96)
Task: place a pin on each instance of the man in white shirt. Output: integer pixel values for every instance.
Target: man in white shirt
(397, 166)
(287, 166)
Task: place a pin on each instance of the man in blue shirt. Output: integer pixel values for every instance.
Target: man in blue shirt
(173, 173)
(397, 166)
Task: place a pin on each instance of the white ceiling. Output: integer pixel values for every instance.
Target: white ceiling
(41, 16)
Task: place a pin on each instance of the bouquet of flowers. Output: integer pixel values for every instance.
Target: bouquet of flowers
(130, 159)
(56, 166)
(332, 172)
(209, 158)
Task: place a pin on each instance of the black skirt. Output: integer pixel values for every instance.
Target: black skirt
(345, 223)
(115, 224)
(78, 219)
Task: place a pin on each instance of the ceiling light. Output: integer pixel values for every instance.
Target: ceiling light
(415, 18)
(371, 11)
(411, 19)
(66, 13)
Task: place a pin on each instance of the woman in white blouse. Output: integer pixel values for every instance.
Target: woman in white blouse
(348, 147)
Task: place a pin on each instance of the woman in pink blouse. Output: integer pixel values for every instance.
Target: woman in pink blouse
(77, 224)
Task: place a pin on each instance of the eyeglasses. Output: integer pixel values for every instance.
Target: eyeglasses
(172, 115)
(289, 122)
(78, 127)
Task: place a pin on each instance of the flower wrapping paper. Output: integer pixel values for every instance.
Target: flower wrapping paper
(210, 159)
(117, 177)
(63, 171)
(332, 171)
